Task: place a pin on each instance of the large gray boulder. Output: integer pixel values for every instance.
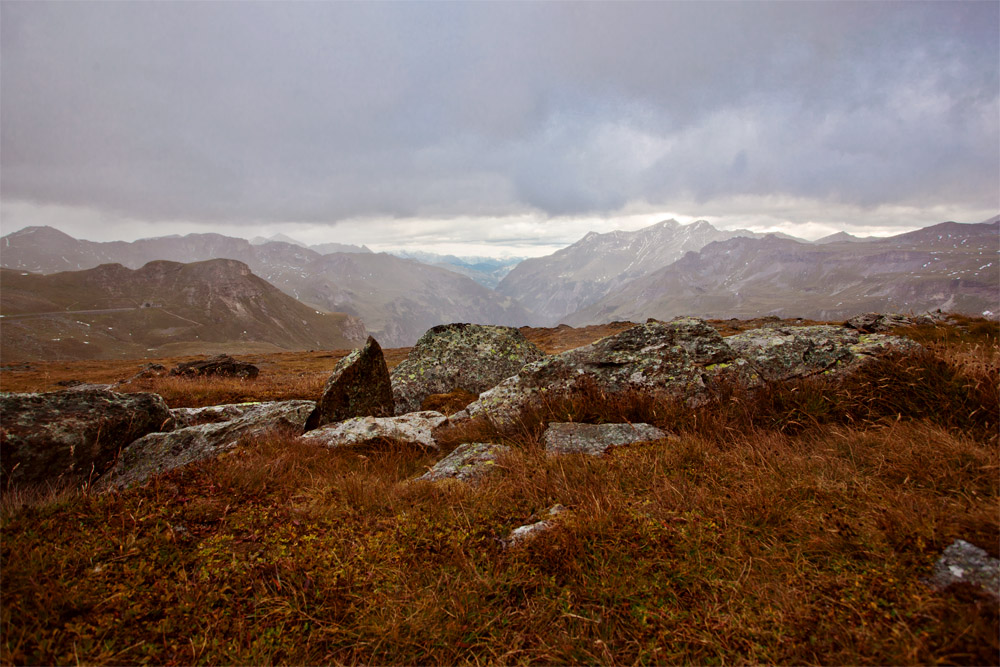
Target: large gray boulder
(72, 435)
(595, 439)
(161, 452)
(785, 353)
(359, 386)
(472, 357)
(414, 428)
(679, 358)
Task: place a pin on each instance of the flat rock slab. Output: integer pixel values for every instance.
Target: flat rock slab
(964, 562)
(471, 357)
(524, 534)
(161, 452)
(73, 434)
(595, 439)
(220, 365)
(786, 353)
(415, 428)
(467, 463)
(212, 414)
(359, 386)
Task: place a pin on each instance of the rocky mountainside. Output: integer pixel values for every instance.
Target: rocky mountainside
(598, 264)
(950, 266)
(398, 299)
(162, 308)
(487, 271)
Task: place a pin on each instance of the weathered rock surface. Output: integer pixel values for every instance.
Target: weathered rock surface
(221, 365)
(964, 562)
(472, 357)
(72, 434)
(678, 358)
(595, 439)
(785, 353)
(212, 414)
(524, 534)
(415, 428)
(160, 452)
(359, 386)
(467, 463)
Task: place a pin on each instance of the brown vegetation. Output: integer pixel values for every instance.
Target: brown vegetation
(792, 525)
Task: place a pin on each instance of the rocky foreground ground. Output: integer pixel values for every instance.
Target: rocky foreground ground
(111, 441)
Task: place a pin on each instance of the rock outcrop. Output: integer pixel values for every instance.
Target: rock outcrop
(221, 365)
(962, 562)
(359, 386)
(595, 439)
(414, 428)
(472, 357)
(785, 353)
(677, 358)
(160, 452)
(72, 435)
(467, 463)
(212, 414)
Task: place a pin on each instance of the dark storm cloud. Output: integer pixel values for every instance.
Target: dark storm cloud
(244, 112)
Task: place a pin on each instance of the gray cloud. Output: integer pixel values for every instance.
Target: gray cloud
(317, 112)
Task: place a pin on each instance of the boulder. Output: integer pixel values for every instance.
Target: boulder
(468, 462)
(680, 358)
(471, 357)
(415, 428)
(359, 386)
(220, 365)
(161, 452)
(72, 435)
(878, 322)
(212, 414)
(964, 562)
(785, 353)
(595, 439)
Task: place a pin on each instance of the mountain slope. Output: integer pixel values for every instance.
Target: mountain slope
(397, 299)
(114, 311)
(596, 265)
(949, 266)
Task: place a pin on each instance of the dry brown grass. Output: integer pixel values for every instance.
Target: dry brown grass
(792, 525)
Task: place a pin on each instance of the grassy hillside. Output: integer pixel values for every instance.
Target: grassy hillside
(164, 308)
(794, 525)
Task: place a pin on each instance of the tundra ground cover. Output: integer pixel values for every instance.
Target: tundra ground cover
(794, 525)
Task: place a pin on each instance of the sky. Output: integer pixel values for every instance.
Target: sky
(504, 129)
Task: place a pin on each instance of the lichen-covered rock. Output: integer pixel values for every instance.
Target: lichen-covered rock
(878, 322)
(467, 463)
(964, 562)
(677, 358)
(524, 534)
(160, 452)
(220, 365)
(359, 386)
(414, 428)
(785, 353)
(595, 439)
(72, 435)
(212, 414)
(472, 357)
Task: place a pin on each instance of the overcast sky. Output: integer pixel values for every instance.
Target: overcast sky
(507, 128)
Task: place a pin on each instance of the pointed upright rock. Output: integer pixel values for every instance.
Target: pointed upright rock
(358, 387)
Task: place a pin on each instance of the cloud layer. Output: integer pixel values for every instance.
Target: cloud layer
(251, 113)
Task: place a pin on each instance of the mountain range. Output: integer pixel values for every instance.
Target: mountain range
(162, 309)
(660, 271)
